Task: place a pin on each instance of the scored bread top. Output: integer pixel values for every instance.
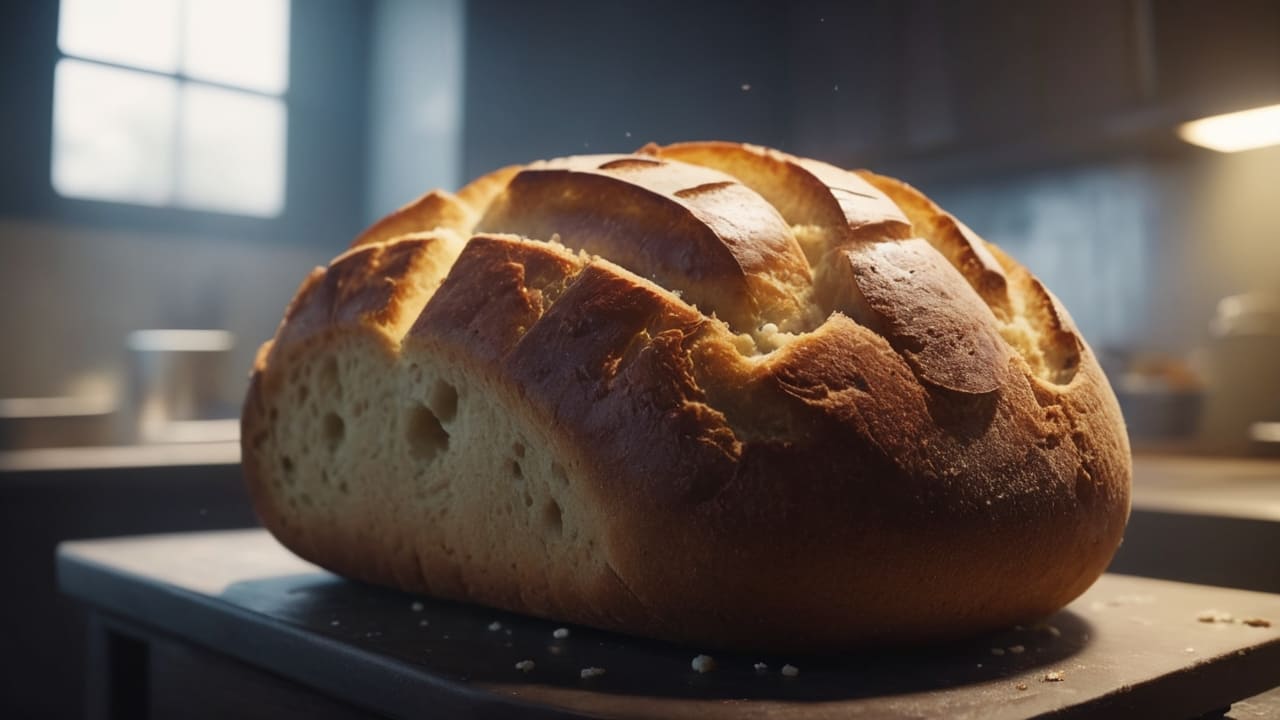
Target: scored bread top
(809, 388)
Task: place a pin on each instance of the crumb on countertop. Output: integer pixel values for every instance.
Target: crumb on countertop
(1214, 616)
(560, 633)
(790, 670)
(997, 651)
(525, 665)
(703, 663)
(760, 667)
(1017, 649)
(1257, 622)
(417, 606)
(1021, 686)
(1054, 676)
(495, 626)
(591, 672)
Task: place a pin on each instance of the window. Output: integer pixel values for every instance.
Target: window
(172, 103)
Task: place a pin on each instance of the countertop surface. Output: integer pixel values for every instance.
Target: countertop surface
(1246, 488)
(1130, 647)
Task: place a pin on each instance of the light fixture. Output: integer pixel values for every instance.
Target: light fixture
(1233, 132)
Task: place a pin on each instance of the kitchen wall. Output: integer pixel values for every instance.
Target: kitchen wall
(1140, 250)
(415, 101)
(562, 77)
(71, 293)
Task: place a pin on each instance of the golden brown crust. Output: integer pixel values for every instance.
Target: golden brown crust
(932, 452)
(805, 192)
(735, 256)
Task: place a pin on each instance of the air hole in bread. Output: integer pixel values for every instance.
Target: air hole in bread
(517, 472)
(552, 518)
(557, 472)
(343, 487)
(335, 430)
(444, 400)
(330, 380)
(518, 449)
(528, 499)
(286, 464)
(426, 437)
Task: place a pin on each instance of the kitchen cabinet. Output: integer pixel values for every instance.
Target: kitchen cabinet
(933, 88)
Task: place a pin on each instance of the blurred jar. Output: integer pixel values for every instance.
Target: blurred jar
(174, 377)
(1241, 367)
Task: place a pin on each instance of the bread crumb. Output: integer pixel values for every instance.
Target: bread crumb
(1017, 649)
(1053, 631)
(703, 663)
(591, 672)
(1021, 686)
(790, 670)
(979, 664)
(335, 623)
(1256, 622)
(417, 606)
(560, 633)
(1054, 676)
(495, 626)
(1214, 616)
(997, 651)
(1188, 650)
(423, 623)
(525, 665)
(761, 667)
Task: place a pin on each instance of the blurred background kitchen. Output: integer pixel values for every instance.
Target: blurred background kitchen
(179, 165)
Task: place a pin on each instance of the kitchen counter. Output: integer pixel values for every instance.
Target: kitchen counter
(230, 624)
(1243, 488)
(114, 457)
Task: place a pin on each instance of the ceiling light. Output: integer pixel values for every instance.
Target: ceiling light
(1233, 132)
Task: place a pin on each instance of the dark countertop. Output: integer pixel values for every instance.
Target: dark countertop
(114, 457)
(1130, 647)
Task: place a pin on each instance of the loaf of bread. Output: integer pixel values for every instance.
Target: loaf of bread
(709, 393)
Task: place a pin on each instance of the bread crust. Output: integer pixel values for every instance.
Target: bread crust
(936, 454)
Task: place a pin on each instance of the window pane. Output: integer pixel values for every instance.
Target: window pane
(112, 133)
(142, 33)
(232, 151)
(238, 42)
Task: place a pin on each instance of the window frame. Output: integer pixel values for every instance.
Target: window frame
(181, 80)
(329, 45)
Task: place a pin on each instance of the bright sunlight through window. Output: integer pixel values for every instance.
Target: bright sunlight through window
(173, 103)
